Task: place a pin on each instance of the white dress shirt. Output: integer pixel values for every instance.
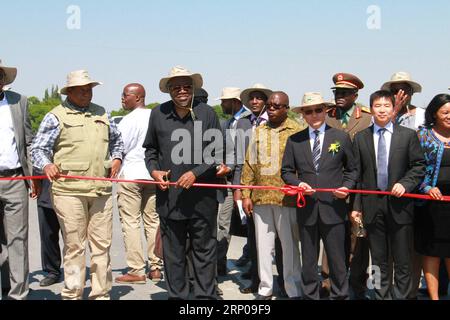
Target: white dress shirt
(312, 136)
(133, 128)
(387, 136)
(9, 157)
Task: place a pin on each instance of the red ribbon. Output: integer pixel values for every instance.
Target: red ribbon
(287, 190)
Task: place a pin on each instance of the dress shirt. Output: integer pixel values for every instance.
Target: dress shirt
(133, 128)
(9, 157)
(49, 130)
(312, 136)
(387, 136)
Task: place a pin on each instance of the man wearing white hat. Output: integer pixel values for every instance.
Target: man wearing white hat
(176, 152)
(15, 130)
(403, 87)
(78, 138)
(321, 157)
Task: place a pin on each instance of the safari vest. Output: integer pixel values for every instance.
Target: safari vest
(82, 149)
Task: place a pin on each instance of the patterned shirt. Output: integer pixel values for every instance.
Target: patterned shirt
(48, 133)
(263, 163)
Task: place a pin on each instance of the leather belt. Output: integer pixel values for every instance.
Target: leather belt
(10, 172)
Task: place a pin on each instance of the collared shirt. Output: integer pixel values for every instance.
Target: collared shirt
(312, 136)
(257, 121)
(345, 116)
(49, 130)
(387, 136)
(236, 117)
(412, 121)
(133, 128)
(263, 163)
(9, 157)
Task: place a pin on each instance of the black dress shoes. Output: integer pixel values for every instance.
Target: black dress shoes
(260, 297)
(248, 290)
(49, 280)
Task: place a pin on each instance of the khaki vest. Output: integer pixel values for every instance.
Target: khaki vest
(82, 149)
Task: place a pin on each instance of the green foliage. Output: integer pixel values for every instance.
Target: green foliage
(38, 109)
(220, 114)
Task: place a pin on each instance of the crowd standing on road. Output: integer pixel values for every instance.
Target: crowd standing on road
(387, 239)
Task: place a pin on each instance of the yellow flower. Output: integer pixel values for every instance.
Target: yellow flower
(334, 147)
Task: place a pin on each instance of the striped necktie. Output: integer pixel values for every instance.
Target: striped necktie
(316, 150)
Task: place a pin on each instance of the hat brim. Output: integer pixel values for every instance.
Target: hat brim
(10, 74)
(417, 88)
(345, 86)
(94, 84)
(245, 95)
(300, 108)
(197, 81)
(228, 98)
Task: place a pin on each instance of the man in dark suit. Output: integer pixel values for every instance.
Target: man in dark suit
(15, 130)
(389, 157)
(321, 157)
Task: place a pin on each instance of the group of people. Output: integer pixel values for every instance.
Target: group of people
(392, 146)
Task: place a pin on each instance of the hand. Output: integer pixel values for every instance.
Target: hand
(163, 177)
(186, 180)
(52, 172)
(237, 195)
(115, 168)
(222, 171)
(355, 217)
(435, 193)
(398, 190)
(247, 205)
(341, 193)
(36, 188)
(400, 100)
(308, 190)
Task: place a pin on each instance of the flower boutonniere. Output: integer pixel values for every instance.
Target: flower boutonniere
(334, 147)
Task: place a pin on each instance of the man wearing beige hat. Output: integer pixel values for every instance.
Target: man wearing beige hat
(78, 138)
(321, 157)
(15, 130)
(403, 87)
(231, 105)
(175, 152)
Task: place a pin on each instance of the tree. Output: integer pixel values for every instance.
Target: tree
(38, 109)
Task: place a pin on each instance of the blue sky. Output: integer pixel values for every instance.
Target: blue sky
(289, 45)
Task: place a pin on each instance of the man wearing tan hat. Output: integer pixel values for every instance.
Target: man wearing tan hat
(15, 130)
(350, 117)
(175, 152)
(321, 157)
(231, 105)
(78, 138)
(403, 87)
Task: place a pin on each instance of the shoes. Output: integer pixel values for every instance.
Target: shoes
(248, 290)
(325, 289)
(131, 279)
(155, 275)
(242, 261)
(282, 293)
(260, 297)
(219, 291)
(49, 280)
(246, 275)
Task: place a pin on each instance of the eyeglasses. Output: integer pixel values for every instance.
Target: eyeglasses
(187, 87)
(276, 106)
(310, 112)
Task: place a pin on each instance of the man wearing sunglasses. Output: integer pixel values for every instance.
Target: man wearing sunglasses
(351, 118)
(321, 157)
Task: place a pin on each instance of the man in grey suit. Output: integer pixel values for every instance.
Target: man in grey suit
(15, 130)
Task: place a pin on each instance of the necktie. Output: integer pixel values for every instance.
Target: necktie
(316, 150)
(382, 161)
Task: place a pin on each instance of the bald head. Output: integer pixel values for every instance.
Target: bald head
(133, 96)
(277, 108)
(281, 95)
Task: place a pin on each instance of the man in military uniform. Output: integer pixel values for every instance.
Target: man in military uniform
(351, 118)
(347, 115)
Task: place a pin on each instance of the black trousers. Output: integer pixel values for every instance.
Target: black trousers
(50, 250)
(252, 251)
(391, 249)
(333, 237)
(201, 233)
(358, 268)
